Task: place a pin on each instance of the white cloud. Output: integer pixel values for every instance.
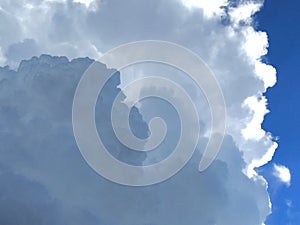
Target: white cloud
(40, 104)
(210, 8)
(253, 129)
(282, 173)
(85, 2)
(244, 12)
(267, 73)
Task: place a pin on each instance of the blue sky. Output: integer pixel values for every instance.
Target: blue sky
(281, 20)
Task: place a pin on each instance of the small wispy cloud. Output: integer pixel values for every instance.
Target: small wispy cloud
(282, 173)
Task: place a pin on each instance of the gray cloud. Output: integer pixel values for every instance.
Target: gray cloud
(38, 144)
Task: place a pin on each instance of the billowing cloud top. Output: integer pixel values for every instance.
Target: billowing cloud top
(39, 152)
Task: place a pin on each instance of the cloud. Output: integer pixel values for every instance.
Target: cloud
(36, 99)
(209, 8)
(282, 173)
(87, 3)
(25, 201)
(38, 126)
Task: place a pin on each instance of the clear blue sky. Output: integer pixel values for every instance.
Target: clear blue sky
(281, 20)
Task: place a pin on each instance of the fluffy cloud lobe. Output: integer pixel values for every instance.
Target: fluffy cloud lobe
(282, 173)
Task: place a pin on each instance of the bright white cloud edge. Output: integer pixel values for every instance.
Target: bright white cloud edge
(282, 173)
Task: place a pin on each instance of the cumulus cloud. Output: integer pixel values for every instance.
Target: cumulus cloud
(282, 173)
(37, 122)
(36, 130)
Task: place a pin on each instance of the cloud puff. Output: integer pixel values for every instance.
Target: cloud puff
(36, 106)
(37, 122)
(282, 173)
